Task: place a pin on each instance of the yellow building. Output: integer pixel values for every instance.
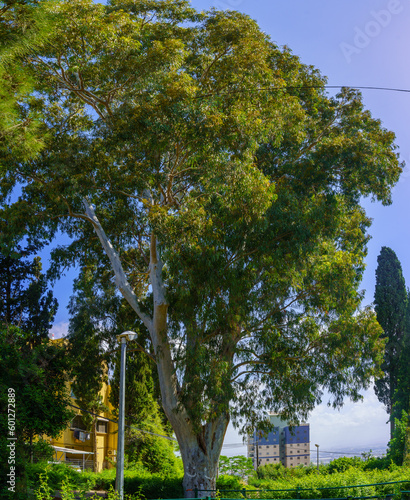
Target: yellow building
(77, 446)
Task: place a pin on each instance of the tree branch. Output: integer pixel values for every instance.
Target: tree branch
(120, 277)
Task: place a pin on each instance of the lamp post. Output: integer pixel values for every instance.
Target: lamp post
(317, 447)
(119, 479)
(257, 450)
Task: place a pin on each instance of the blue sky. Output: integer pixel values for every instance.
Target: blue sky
(353, 43)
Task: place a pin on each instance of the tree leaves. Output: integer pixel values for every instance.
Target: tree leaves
(196, 132)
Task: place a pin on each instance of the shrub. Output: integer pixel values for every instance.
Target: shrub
(343, 463)
(141, 482)
(325, 485)
(57, 474)
(227, 482)
(271, 471)
(154, 486)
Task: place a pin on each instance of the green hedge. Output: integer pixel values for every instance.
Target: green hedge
(151, 486)
(136, 481)
(335, 481)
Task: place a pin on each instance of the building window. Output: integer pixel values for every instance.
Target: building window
(77, 423)
(102, 426)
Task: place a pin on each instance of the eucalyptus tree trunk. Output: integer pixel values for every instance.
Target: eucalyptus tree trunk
(200, 456)
(200, 448)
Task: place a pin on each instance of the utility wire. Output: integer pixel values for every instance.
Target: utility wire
(342, 452)
(301, 87)
(240, 445)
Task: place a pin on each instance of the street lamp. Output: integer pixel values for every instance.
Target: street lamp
(317, 446)
(119, 480)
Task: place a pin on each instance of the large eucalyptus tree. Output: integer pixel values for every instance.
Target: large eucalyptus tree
(211, 172)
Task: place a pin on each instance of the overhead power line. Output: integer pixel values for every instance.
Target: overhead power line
(300, 87)
(343, 452)
(234, 445)
(389, 89)
(241, 445)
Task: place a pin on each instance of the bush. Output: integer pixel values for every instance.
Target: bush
(271, 471)
(326, 485)
(343, 463)
(141, 482)
(377, 463)
(57, 473)
(227, 482)
(395, 451)
(154, 486)
(229, 486)
(278, 471)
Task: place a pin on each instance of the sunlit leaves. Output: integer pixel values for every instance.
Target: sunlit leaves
(198, 130)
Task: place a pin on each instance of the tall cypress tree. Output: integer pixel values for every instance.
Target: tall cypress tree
(401, 408)
(402, 394)
(390, 300)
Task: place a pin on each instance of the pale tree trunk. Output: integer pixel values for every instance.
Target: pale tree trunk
(200, 456)
(200, 450)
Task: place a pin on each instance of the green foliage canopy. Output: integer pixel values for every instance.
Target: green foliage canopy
(197, 149)
(24, 27)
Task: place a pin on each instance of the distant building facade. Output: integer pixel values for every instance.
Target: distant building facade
(88, 449)
(85, 448)
(285, 444)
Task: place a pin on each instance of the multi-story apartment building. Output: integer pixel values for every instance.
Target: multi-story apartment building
(96, 448)
(86, 448)
(286, 444)
(296, 446)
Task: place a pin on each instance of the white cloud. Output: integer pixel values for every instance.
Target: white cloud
(357, 426)
(59, 330)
